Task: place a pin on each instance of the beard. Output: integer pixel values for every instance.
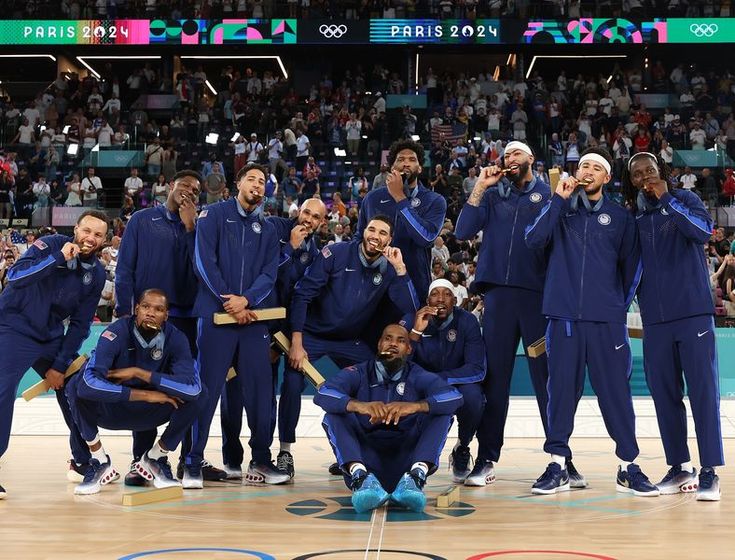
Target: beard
(521, 172)
(392, 363)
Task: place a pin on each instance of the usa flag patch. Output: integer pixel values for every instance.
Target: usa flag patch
(109, 335)
(326, 252)
(40, 244)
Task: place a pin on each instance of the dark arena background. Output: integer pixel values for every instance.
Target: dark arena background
(102, 102)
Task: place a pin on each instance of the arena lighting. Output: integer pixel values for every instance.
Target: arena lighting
(416, 138)
(65, 130)
(235, 137)
(510, 56)
(52, 57)
(610, 79)
(339, 152)
(416, 74)
(242, 57)
(214, 91)
(72, 149)
(96, 148)
(533, 62)
(82, 59)
(212, 138)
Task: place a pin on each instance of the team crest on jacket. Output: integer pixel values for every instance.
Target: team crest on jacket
(452, 335)
(256, 227)
(377, 278)
(535, 198)
(304, 258)
(415, 203)
(604, 219)
(401, 388)
(156, 354)
(87, 278)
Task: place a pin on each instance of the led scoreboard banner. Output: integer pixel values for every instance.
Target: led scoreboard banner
(583, 31)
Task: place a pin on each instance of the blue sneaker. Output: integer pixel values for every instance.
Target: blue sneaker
(97, 475)
(159, 471)
(555, 479)
(367, 493)
(409, 491)
(678, 480)
(633, 481)
(709, 486)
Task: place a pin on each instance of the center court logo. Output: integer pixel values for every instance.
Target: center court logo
(333, 31)
(339, 508)
(704, 29)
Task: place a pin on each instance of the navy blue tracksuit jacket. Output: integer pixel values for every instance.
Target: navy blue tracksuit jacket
(417, 221)
(156, 252)
(455, 351)
(678, 317)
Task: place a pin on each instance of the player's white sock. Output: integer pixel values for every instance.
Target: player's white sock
(100, 454)
(156, 452)
(423, 467)
(624, 465)
(356, 466)
(286, 446)
(688, 467)
(559, 460)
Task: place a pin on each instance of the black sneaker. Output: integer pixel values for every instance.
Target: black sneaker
(284, 462)
(335, 470)
(460, 460)
(133, 478)
(212, 473)
(482, 474)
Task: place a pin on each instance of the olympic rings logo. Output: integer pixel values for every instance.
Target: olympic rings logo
(333, 31)
(704, 29)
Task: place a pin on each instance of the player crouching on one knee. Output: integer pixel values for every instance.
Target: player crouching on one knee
(140, 376)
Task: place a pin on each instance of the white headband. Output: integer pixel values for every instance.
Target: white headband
(649, 154)
(441, 283)
(515, 145)
(597, 158)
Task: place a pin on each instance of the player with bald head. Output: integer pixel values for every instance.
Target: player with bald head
(447, 341)
(505, 200)
(387, 421)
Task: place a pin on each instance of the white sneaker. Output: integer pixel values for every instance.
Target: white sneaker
(266, 473)
(98, 474)
(482, 474)
(193, 479)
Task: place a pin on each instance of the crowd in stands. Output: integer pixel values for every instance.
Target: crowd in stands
(358, 9)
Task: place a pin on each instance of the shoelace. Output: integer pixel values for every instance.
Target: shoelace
(547, 474)
(706, 478)
(636, 477)
(94, 466)
(418, 478)
(165, 467)
(462, 458)
(358, 479)
(673, 471)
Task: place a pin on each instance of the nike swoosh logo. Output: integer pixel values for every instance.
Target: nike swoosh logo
(350, 269)
(384, 201)
(619, 347)
(230, 221)
(156, 219)
(701, 334)
(265, 336)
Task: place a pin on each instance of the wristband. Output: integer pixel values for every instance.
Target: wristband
(414, 331)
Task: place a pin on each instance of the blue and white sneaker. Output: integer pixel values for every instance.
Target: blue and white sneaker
(633, 481)
(460, 461)
(553, 480)
(265, 473)
(367, 493)
(159, 471)
(409, 491)
(482, 474)
(192, 479)
(576, 479)
(678, 480)
(97, 475)
(709, 486)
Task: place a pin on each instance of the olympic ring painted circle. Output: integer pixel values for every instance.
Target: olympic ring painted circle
(238, 551)
(382, 551)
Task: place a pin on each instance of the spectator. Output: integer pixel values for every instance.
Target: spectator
(134, 186)
(302, 149)
(159, 190)
(154, 158)
(357, 183)
(688, 180)
(91, 188)
(214, 184)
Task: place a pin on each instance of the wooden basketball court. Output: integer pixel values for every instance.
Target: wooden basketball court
(313, 519)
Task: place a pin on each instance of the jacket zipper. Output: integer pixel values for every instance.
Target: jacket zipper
(242, 268)
(512, 236)
(584, 259)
